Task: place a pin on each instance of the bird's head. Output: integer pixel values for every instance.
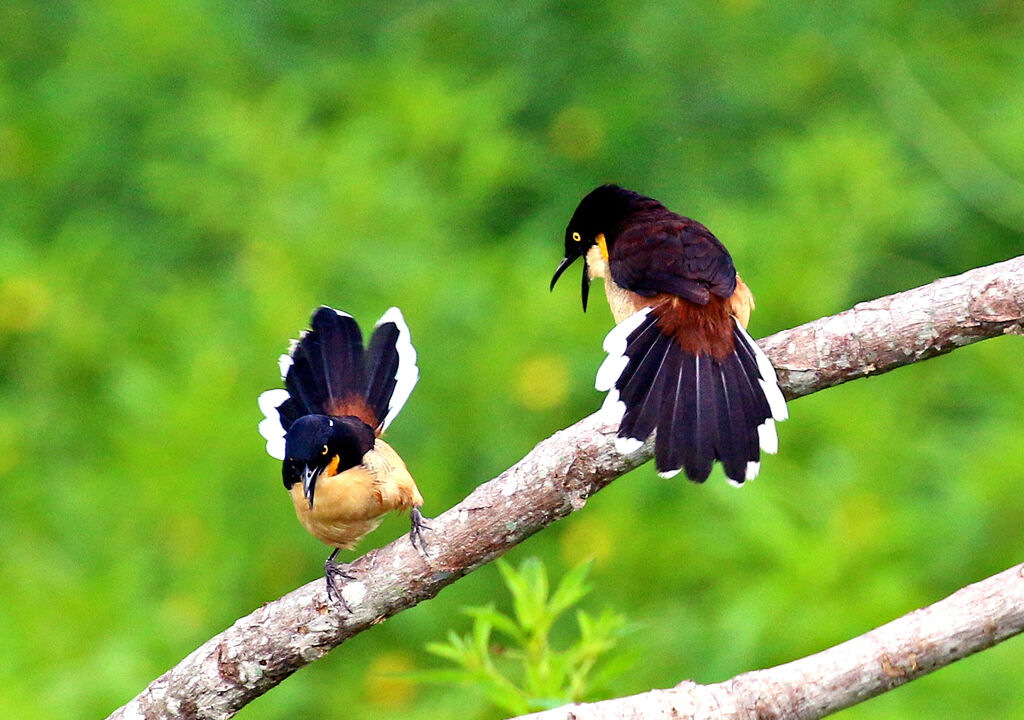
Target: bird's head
(596, 222)
(318, 443)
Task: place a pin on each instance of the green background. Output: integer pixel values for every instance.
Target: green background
(182, 182)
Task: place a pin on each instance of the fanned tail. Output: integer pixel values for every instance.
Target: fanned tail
(703, 409)
(328, 372)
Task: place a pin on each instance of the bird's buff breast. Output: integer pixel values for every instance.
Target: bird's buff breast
(344, 510)
(352, 503)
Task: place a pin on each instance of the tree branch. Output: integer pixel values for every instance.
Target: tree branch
(884, 334)
(971, 619)
(554, 479)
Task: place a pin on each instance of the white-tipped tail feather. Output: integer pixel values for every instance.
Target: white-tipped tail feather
(611, 369)
(284, 362)
(408, 374)
(769, 380)
(767, 437)
(628, 445)
(612, 407)
(615, 345)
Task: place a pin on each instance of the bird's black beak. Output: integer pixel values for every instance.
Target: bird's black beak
(566, 262)
(586, 284)
(309, 476)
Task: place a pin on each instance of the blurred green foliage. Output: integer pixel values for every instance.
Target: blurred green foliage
(519, 669)
(182, 182)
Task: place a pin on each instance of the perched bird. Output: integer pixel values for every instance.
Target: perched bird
(680, 360)
(326, 425)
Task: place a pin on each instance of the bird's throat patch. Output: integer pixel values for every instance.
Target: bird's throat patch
(332, 467)
(602, 243)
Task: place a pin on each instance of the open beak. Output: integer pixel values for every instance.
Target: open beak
(309, 476)
(566, 262)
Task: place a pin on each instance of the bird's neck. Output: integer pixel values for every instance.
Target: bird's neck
(597, 264)
(622, 302)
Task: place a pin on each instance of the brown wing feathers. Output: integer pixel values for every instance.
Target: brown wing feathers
(672, 255)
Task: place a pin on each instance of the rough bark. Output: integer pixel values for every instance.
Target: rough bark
(554, 479)
(972, 619)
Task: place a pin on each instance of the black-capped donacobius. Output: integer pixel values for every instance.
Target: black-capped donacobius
(680, 362)
(326, 425)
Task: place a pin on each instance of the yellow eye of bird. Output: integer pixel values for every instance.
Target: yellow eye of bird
(324, 451)
(576, 236)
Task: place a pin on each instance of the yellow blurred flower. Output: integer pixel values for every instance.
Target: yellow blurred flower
(543, 382)
(24, 304)
(383, 684)
(587, 537)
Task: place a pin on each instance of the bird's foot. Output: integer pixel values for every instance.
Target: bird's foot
(419, 524)
(334, 571)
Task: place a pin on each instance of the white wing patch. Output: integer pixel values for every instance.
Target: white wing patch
(270, 427)
(408, 373)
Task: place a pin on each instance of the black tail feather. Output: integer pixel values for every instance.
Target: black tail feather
(744, 375)
(641, 345)
(645, 392)
(302, 383)
(703, 409)
(289, 411)
(734, 431)
(677, 408)
(699, 435)
(327, 363)
(383, 361)
(341, 354)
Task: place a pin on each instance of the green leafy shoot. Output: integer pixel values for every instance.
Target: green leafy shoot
(511, 659)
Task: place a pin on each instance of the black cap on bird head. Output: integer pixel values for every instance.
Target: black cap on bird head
(314, 441)
(598, 218)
